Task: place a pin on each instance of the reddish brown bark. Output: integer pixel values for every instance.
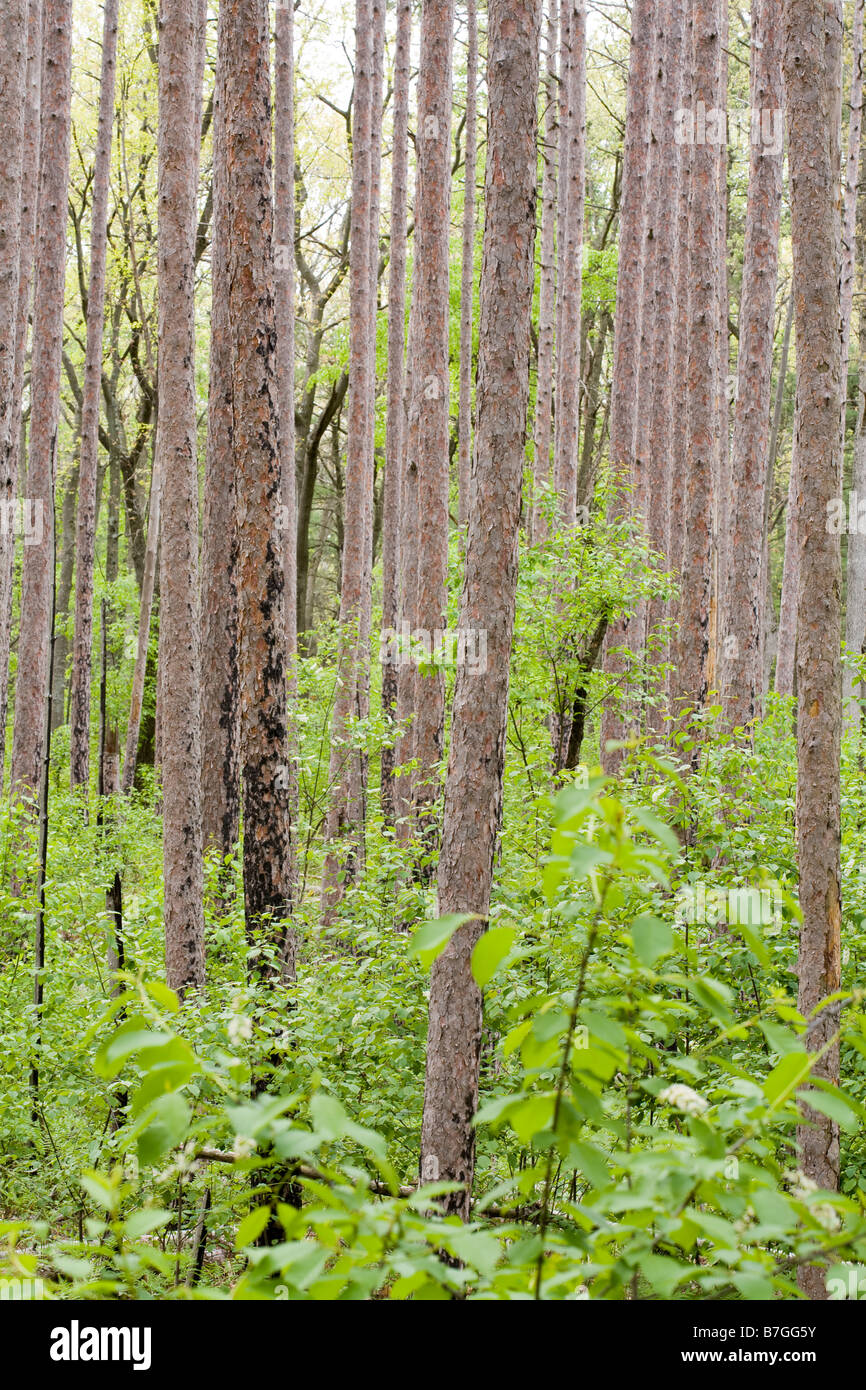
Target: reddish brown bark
(392, 560)
(741, 628)
(36, 585)
(547, 292)
(573, 143)
(629, 293)
(220, 713)
(429, 438)
(464, 426)
(813, 80)
(344, 826)
(473, 797)
(256, 448)
(13, 81)
(702, 384)
(180, 650)
(79, 702)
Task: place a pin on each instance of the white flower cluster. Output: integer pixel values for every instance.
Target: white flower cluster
(802, 1187)
(685, 1099)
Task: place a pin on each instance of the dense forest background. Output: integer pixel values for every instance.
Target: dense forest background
(433, 634)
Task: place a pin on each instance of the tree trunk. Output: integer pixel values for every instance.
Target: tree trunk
(64, 591)
(344, 826)
(256, 448)
(850, 234)
(467, 284)
(284, 302)
(392, 558)
(813, 80)
(37, 579)
(25, 231)
(79, 705)
(855, 605)
(573, 137)
(180, 647)
(741, 628)
(629, 294)
(220, 738)
(692, 663)
(473, 796)
(431, 389)
(547, 293)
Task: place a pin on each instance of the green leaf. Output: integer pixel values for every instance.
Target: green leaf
(430, 940)
(251, 1227)
(490, 952)
(162, 1127)
(786, 1076)
(652, 938)
(657, 828)
(140, 1223)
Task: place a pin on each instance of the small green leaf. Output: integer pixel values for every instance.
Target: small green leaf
(490, 952)
(430, 940)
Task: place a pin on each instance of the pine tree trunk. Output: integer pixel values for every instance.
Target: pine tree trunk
(79, 705)
(345, 822)
(69, 492)
(467, 283)
(692, 663)
(13, 88)
(547, 292)
(855, 597)
(392, 558)
(813, 79)
(431, 389)
(473, 796)
(256, 449)
(741, 628)
(664, 195)
(284, 299)
(629, 296)
(180, 647)
(220, 740)
(573, 138)
(679, 440)
(50, 262)
(850, 233)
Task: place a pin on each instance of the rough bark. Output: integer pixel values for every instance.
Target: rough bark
(573, 138)
(37, 585)
(547, 290)
(467, 281)
(392, 559)
(284, 301)
(180, 648)
(473, 798)
(741, 628)
(813, 79)
(664, 195)
(693, 648)
(13, 83)
(431, 386)
(629, 293)
(855, 604)
(344, 825)
(256, 449)
(850, 247)
(220, 727)
(79, 705)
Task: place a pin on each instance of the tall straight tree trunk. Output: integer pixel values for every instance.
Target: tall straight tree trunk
(392, 559)
(722, 476)
(36, 585)
(692, 663)
(679, 439)
(79, 706)
(145, 609)
(629, 296)
(467, 283)
(547, 292)
(69, 494)
(573, 137)
(284, 308)
(180, 648)
(813, 80)
(741, 628)
(787, 648)
(344, 826)
(473, 796)
(13, 83)
(664, 195)
(770, 637)
(257, 460)
(855, 605)
(220, 727)
(431, 386)
(408, 551)
(850, 233)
